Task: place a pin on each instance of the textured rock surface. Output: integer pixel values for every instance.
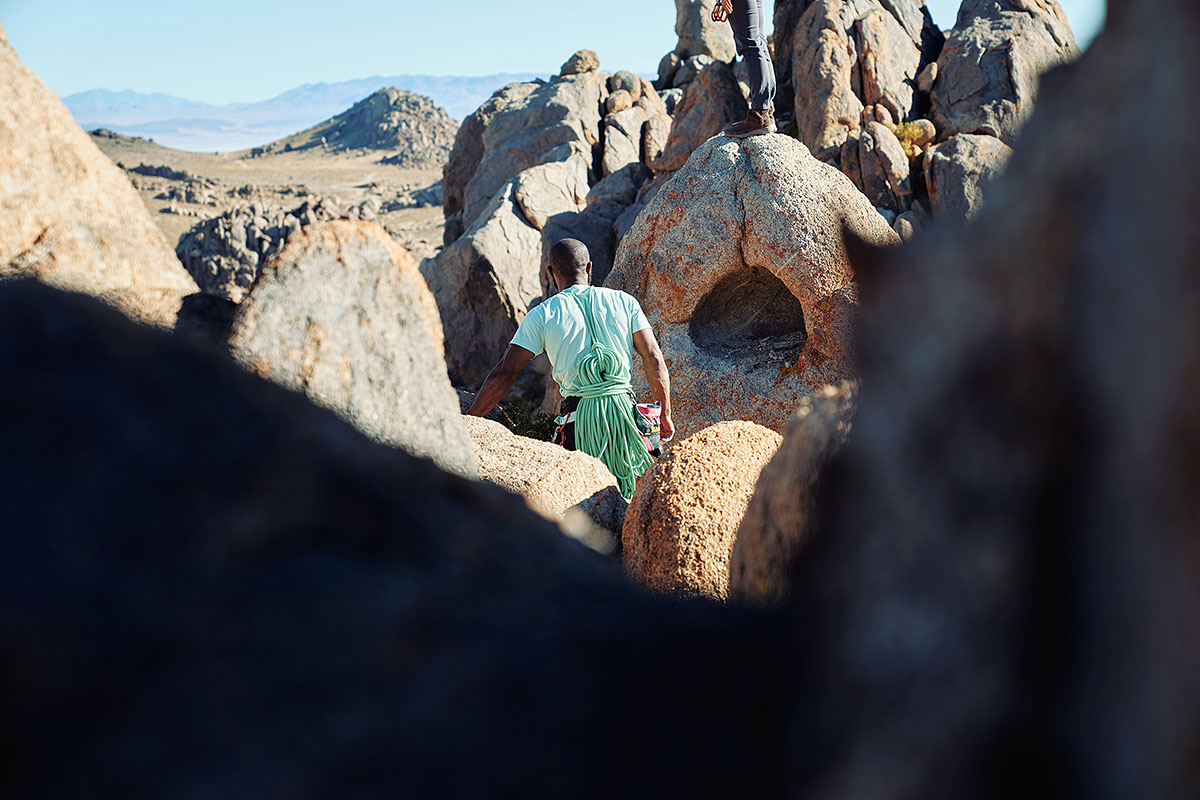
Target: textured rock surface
(68, 216)
(988, 72)
(581, 62)
(552, 480)
(275, 606)
(552, 188)
(779, 517)
(699, 35)
(483, 284)
(416, 132)
(521, 126)
(341, 313)
(739, 265)
(710, 102)
(837, 57)
(680, 526)
(885, 168)
(1009, 542)
(958, 171)
(223, 254)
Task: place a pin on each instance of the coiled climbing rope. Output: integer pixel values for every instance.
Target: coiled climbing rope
(604, 423)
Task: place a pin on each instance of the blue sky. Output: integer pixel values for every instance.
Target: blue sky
(233, 50)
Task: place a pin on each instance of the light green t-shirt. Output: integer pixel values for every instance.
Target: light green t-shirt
(557, 326)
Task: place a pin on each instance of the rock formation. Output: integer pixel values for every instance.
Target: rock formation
(780, 515)
(699, 35)
(552, 480)
(416, 132)
(223, 254)
(871, 81)
(341, 313)
(520, 174)
(988, 72)
(209, 588)
(257, 600)
(840, 58)
(1009, 538)
(739, 265)
(958, 171)
(68, 215)
(710, 102)
(680, 526)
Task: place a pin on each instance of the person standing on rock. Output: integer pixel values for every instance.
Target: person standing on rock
(746, 19)
(589, 334)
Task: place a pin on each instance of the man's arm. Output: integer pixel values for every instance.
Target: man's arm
(655, 367)
(499, 380)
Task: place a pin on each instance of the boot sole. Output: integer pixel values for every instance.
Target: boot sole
(760, 132)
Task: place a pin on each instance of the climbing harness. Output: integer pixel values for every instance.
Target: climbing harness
(604, 420)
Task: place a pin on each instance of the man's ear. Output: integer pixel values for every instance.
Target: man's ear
(589, 272)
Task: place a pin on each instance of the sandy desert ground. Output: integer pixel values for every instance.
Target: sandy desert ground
(214, 183)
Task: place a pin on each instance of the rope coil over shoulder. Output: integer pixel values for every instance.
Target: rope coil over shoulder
(604, 424)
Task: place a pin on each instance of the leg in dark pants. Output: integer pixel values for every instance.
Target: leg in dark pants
(748, 33)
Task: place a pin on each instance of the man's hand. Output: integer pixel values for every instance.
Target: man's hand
(722, 10)
(499, 380)
(666, 428)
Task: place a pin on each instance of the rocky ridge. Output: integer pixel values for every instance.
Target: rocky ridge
(416, 132)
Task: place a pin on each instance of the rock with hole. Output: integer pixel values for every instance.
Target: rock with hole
(739, 264)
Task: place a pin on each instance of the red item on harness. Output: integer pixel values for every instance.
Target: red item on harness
(647, 416)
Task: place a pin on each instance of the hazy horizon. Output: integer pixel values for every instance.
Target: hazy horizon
(75, 46)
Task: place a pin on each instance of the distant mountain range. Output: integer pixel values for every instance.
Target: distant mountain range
(191, 125)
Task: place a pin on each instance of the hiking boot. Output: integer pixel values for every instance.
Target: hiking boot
(756, 123)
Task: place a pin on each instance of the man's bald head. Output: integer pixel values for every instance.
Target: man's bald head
(569, 262)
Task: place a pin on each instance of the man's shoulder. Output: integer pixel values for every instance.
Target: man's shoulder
(617, 295)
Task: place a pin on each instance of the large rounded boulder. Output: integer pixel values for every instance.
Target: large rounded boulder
(342, 314)
(740, 266)
(680, 527)
(68, 216)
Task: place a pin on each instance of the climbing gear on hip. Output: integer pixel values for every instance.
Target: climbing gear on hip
(604, 420)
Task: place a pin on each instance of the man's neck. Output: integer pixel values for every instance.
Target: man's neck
(576, 283)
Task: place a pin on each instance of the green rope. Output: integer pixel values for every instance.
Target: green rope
(604, 424)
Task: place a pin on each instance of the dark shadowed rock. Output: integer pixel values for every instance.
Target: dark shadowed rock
(779, 516)
(210, 588)
(342, 314)
(68, 216)
(1001, 595)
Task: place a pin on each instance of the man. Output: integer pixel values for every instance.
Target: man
(589, 334)
(746, 19)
